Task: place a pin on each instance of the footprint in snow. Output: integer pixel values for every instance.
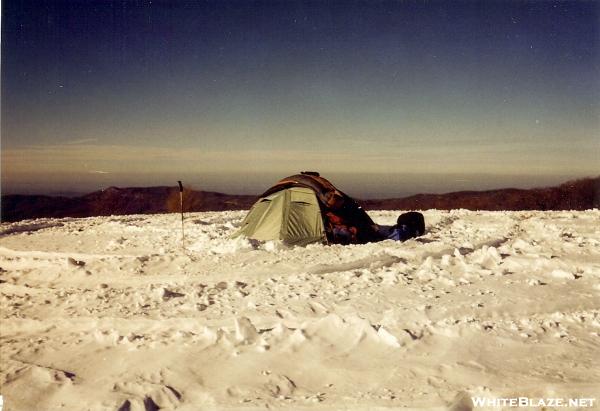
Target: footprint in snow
(146, 396)
(281, 386)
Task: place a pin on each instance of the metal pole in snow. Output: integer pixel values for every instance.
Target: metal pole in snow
(181, 208)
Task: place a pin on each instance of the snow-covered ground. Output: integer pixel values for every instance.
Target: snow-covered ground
(109, 313)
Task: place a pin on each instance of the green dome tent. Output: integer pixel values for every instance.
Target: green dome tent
(291, 215)
(306, 208)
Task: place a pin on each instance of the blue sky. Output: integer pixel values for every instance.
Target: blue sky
(387, 98)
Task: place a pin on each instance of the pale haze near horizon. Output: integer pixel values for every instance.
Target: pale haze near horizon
(384, 100)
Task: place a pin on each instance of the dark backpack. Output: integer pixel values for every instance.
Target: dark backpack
(413, 223)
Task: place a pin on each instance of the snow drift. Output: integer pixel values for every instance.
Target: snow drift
(109, 313)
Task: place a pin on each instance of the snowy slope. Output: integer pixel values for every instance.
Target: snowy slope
(109, 313)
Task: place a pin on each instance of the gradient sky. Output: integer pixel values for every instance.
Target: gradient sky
(386, 98)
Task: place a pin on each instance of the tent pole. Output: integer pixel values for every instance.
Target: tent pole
(181, 208)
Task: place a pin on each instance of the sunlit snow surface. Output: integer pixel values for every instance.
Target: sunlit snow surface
(110, 313)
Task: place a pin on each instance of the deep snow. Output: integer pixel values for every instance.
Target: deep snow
(109, 313)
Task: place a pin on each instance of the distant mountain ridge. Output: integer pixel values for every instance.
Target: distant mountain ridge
(580, 194)
(119, 201)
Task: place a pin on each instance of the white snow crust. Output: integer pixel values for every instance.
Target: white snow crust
(111, 313)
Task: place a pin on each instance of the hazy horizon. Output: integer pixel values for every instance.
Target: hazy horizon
(365, 186)
(144, 93)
